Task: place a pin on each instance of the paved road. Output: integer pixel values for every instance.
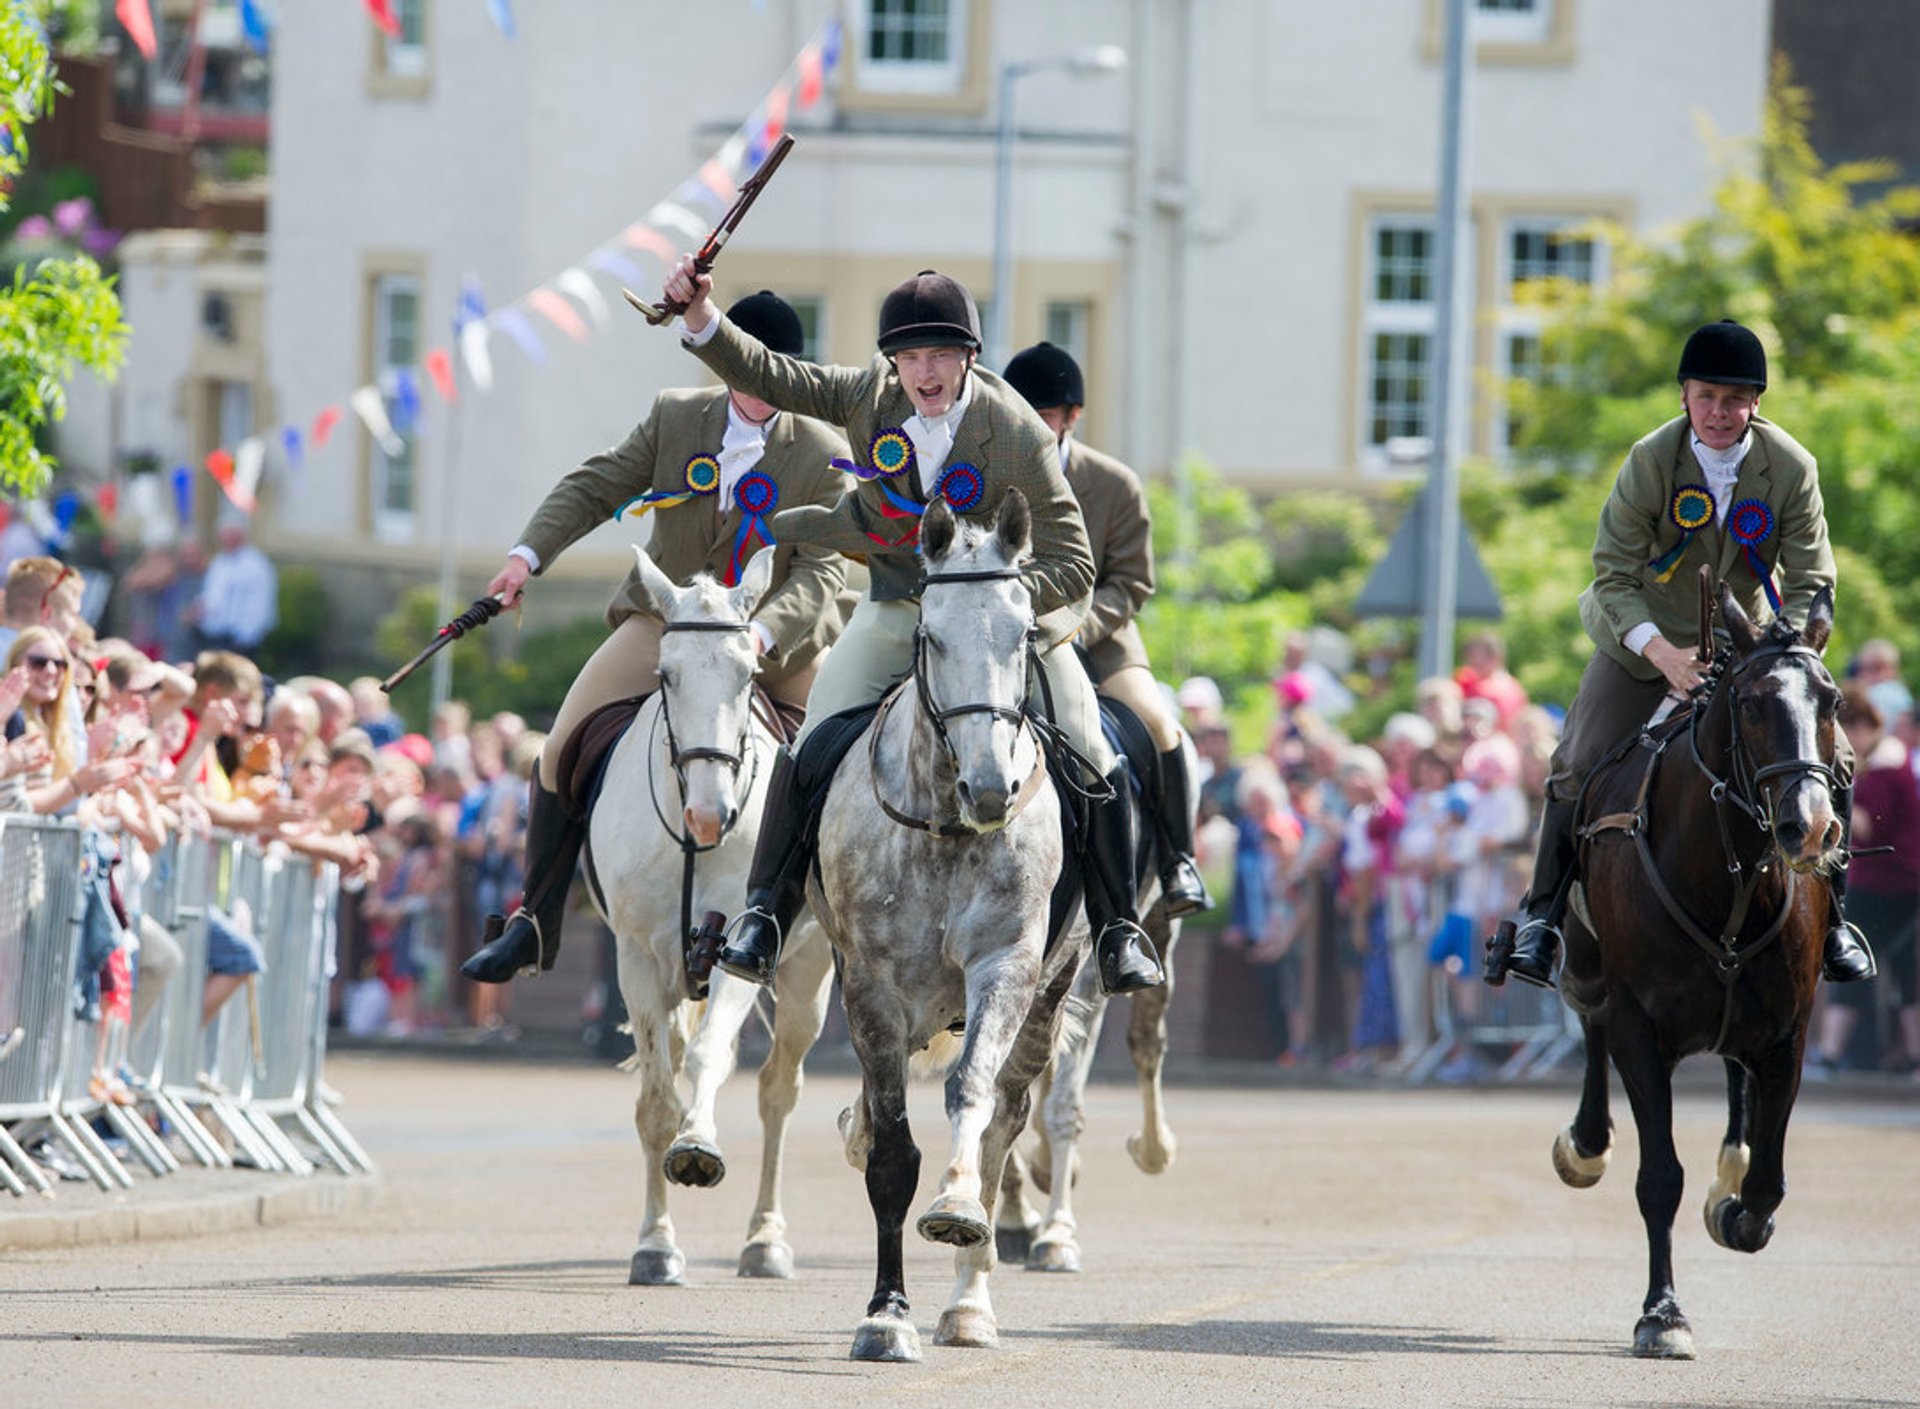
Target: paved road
(1376, 1248)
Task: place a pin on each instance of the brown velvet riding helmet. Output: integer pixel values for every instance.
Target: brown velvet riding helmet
(929, 310)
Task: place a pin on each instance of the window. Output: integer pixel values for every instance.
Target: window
(912, 46)
(1068, 325)
(404, 58)
(1533, 250)
(1398, 330)
(813, 315)
(396, 347)
(1512, 21)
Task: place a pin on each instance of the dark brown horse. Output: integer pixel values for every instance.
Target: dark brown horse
(1702, 852)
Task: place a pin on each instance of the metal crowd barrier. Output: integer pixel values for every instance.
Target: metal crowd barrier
(244, 1089)
(1534, 1030)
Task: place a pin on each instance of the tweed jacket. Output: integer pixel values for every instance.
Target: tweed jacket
(697, 536)
(1120, 532)
(1000, 435)
(1636, 527)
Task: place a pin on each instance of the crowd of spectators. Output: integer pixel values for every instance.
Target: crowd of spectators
(1366, 872)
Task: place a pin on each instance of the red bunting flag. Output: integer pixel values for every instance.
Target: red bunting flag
(220, 466)
(642, 236)
(440, 368)
(323, 425)
(136, 17)
(557, 311)
(382, 12)
(715, 178)
(810, 76)
(109, 500)
(776, 113)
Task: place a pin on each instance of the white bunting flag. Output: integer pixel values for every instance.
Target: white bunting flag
(371, 408)
(579, 283)
(248, 460)
(677, 217)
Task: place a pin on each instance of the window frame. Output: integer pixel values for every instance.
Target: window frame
(1515, 320)
(403, 68)
(914, 77)
(1392, 317)
(388, 523)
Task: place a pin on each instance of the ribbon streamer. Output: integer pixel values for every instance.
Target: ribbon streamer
(755, 496)
(1690, 510)
(701, 477)
(1751, 524)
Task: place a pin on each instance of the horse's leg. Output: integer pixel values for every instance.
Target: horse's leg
(1731, 1167)
(1063, 1118)
(893, 1168)
(657, 1261)
(694, 1158)
(1662, 1332)
(1745, 1223)
(1581, 1151)
(803, 981)
(1154, 1147)
(1015, 1219)
(999, 993)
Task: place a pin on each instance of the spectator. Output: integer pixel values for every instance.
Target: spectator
(1876, 668)
(1483, 676)
(40, 591)
(1374, 817)
(239, 598)
(1201, 706)
(373, 712)
(46, 711)
(331, 699)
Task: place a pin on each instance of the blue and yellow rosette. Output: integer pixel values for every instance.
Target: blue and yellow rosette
(1690, 510)
(701, 476)
(1750, 523)
(755, 496)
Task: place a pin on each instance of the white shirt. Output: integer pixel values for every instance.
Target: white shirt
(1722, 469)
(239, 596)
(740, 450)
(933, 439)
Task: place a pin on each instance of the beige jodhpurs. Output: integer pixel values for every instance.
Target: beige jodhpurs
(628, 664)
(1135, 687)
(876, 652)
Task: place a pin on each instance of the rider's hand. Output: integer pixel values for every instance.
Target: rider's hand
(510, 581)
(688, 286)
(1680, 665)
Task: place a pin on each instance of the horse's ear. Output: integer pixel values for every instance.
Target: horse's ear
(1739, 625)
(936, 530)
(1014, 526)
(1819, 620)
(754, 583)
(666, 597)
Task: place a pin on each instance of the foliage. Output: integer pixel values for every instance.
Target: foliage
(493, 670)
(58, 316)
(297, 643)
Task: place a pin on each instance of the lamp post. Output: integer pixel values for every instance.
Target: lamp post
(1106, 58)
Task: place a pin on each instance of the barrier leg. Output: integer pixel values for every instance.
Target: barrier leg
(23, 1162)
(329, 1148)
(341, 1136)
(276, 1139)
(199, 1140)
(142, 1141)
(102, 1168)
(228, 1114)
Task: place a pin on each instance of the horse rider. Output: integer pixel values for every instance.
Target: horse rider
(710, 464)
(924, 421)
(1719, 484)
(1120, 532)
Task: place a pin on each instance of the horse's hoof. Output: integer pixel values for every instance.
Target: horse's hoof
(971, 1326)
(1013, 1244)
(1719, 1213)
(1576, 1170)
(654, 1267)
(1724, 1227)
(773, 1260)
(852, 1139)
(887, 1338)
(694, 1163)
(1729, 1172)
(1059, 1255)
(1152, 1156)
(962, 1222)
(1663, 1336)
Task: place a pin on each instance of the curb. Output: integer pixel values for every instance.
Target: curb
(132, 1216)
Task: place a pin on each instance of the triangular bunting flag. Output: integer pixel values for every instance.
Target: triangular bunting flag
(137, 19)
(220, 466)
(440, 370)
(679, 218)
(717, 179)
(515, 325)
(580, 285)
(830, 45)
(618, 265)
(248, 461)
(641, 236)
(382, 12)
(810, 77)
(371, 408)
(253, 22)
(323, 425)
(470, 331)
(296, 449)
(776, 112)
(405, 394)
(559, 312)
(182, 477)
(502, 16)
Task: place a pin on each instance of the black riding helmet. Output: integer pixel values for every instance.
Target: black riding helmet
(1047, 376)
(1727, 353)
(929, 310)
(772, 320)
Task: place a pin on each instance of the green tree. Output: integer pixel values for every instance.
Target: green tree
(59, 315)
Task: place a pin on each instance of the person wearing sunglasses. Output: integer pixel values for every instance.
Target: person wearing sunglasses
(46, 711)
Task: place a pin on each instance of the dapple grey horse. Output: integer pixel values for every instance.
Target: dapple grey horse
(939, 846)
(695, 765)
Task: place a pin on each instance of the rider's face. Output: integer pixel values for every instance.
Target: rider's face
(1719, 413)
(1060, 419)
(933, 376)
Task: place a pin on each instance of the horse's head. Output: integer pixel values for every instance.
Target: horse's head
(1782, 703)
(707, 664)
(972, 658)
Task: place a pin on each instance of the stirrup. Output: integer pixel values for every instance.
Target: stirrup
(1184, 889)
(747, 964)
(1116, 975)
(1540, 971)
(477, 967)
(1833, 974)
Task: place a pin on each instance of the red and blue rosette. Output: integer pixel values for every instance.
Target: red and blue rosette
(1750, 522)
(755, 496)
(701, 476)
(962, 486)
(1690, 510)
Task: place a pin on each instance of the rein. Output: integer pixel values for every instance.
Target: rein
(1743, 792)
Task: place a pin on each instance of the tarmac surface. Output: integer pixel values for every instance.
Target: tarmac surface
(1332, 1246)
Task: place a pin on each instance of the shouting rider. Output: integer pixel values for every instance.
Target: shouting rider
(1120, 532)
(925, 421)
(712, 465)
(1720, 485)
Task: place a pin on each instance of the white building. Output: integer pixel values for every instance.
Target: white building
(1234, 233)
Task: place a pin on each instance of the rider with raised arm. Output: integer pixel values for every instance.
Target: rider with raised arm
(712, 465)
(925, 421)
(1718, 485)
(1120, 532)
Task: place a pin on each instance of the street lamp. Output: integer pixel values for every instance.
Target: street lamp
(1105, 58)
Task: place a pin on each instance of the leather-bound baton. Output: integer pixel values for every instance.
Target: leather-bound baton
(483, 610)
(703, 258)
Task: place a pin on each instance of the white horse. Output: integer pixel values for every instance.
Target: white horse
(694, 766)
(939, 845)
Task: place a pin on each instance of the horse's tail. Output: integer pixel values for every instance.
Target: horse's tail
(937, 1058)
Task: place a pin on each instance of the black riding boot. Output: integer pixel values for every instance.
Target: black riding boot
(1846, 958)
(1182, 887)
(1527, 948)
(1121, 947)
(531, 938)
(776, 880)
